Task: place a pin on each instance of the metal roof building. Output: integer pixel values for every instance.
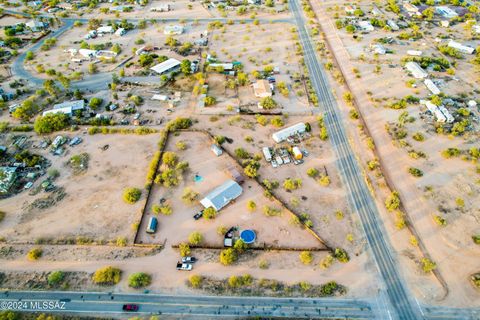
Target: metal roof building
(222, 195)
(287, 132)
(166, 66)
(415, 69)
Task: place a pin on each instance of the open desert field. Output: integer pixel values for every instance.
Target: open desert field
(85, 205)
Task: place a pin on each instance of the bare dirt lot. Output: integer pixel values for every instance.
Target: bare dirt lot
(92, 205)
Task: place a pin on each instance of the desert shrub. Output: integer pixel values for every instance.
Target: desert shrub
(418, 136)
(324, 180)
(121, 241)
(228, 256)
(476, 239)
(195, 281)
(251, 205)
(195, 238)
(184, 249)
(55, 277)
(107, 276)
(339, 215)
(329, 288)
(209, 213)
(313, 173)
(221, 230)
(131, 195)
(292, 184)
(2, 215)
(415, 172)
(440, 221)
(263, 264)
(181, 145)
(271, 211)
(341, 255)
(326, 262)
(189, 196)
(139, 280)
(34, 254)
(393, 201)
(306, 257)
(428, 265)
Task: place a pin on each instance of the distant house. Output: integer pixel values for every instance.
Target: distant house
(120, 32)
(105, 29)
(7, 178)
(460, 47)
(173, 29)
(416, 53)
(393, 25)
(378, 49)
(67, 107)
(167, 66)
(262, 89)
(216, 150)
(35, 25)
(411, 8)
(161, 8)
(446, 12)
(366, 26)
(222, 195)
(415, 69)
(283, 134)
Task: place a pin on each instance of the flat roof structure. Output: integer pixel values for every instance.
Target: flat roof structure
(166, 66)
(288, 132)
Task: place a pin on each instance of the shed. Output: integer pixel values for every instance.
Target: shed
(222, 195)
(236, 175)
(216, 149)
(415, 69)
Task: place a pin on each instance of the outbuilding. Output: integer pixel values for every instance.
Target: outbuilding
(415, 69)
(217, 150)
(283, 134)
(167, 66)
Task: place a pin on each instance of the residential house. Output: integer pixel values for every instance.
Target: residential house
(283, 134)
(167, 66)
(222, 195)
(262, 89)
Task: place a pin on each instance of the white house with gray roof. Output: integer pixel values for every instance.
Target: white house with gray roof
(222, 195)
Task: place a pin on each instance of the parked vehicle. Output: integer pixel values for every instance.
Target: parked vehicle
(189, 260)
(130, 307)
(184, 266)
(152, 225)
(198, 215)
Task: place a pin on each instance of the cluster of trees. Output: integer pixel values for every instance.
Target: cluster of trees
(171, 175)
(51, 123)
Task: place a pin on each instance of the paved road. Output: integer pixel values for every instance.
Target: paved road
(360, 198)
(191, 307)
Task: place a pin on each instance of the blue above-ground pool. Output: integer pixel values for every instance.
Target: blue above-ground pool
(248, 236)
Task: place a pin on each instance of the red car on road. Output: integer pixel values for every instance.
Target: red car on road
(130, 307)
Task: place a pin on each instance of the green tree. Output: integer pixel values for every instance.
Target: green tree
(55, 277)
(29, 55)
(170, 158)
(145, 60)
(131, 195)
(50, 123)
(107, 276)
(268, 103)
(228, 256)
(139, 280)
(185, 66)
(95, 103)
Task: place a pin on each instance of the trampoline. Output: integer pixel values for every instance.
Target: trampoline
(248, 236)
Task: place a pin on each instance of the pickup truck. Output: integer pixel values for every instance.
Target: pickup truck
(184, 266)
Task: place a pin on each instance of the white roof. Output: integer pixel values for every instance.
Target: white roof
(416, 70)
(414, 52)
(87, 53)
(225, 66)
(105, 29)
(75, 105)
(32, 24)
(160, 97)
(222, 195)
(173, 29)
(431, 86)
(287, 132)
(461, 47)
(165, 66)
(366, 25)
(446, 12)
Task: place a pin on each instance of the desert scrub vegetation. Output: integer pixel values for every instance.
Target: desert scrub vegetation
(439, 220)
(427, 265)
(271, 211)
(2, 215)
(251, 206)
(341, 255)
(195, 238)
(230, 255)
(107, 276)
(112, 130)
(393, 201)
(79, 163)
(184, 249)
(152, 168)
(131, 195)
(34, 254)
(139, 280)
(306, 257)
(189, 196)
(246, 285)
(195, 281)
(54, 278)
(292, 184)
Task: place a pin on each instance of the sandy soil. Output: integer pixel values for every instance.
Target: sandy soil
(93, 206)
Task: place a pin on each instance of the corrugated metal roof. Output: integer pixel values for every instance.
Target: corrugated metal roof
(222, 195)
